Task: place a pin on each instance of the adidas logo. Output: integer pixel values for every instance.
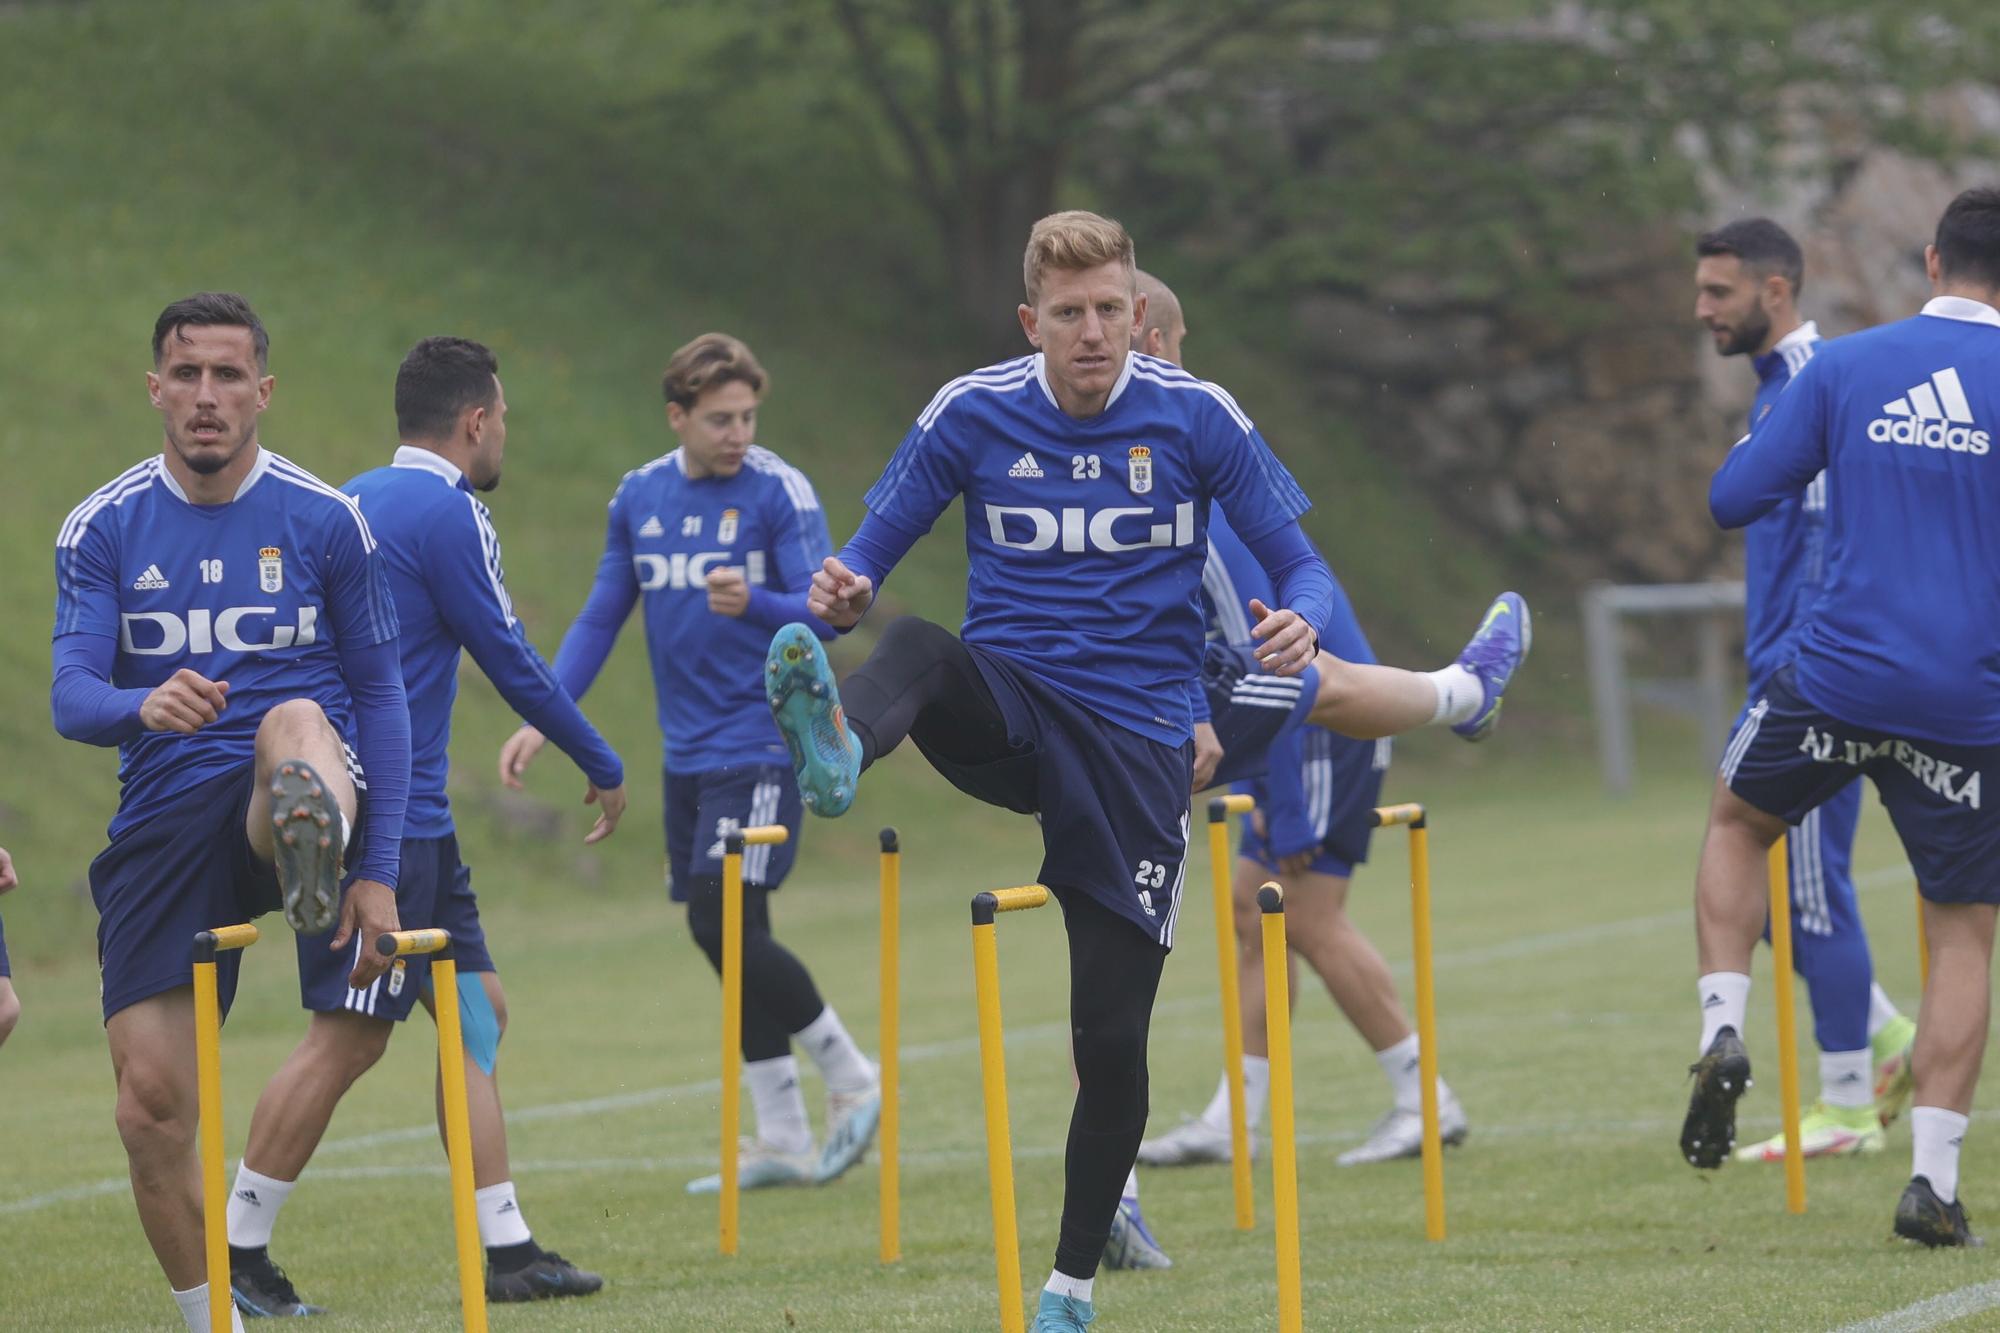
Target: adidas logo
(1850, 1077)
(250, 1197)
(1935, 415)
(150, 581)
(1025, 466)
(507, 1206)
(651, 528)
(1712, 1001)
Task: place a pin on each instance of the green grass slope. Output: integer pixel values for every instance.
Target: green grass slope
(583, 190)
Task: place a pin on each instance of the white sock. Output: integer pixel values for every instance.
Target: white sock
(1847, 1078)
(1882, 1011)
(194, 1309)
(500, 1221)
(1724, 996)
(1076, 1288)
(253, 1207)
(1404, 1071)
(1459, 694)
(1132, 1185)
(1256, 1092)
(781, 1106)
(1935, 1136)
(840, 1061)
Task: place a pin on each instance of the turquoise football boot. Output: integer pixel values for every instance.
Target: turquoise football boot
(1061, 1314)
(806, 705)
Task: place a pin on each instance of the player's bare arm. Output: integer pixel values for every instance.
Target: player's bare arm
(185, 702)
(1207, 754)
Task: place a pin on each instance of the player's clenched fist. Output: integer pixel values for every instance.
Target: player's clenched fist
(1286, 645)
(839, 596)
(185, 702)
(728, 591)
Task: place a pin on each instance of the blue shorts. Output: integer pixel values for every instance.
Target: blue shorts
(433, 888)
(1787, 758)
(1113, 804)
(187, 869)
(1249, 708)
(1342, 778)
(6, 969)
(703, 808)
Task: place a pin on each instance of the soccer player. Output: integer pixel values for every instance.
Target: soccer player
(223, 618)
(1747, 280)
(1087, 474)
(720, 537)
(443, 560)
(1895, 675)
(1310, 829)
(10, 1004)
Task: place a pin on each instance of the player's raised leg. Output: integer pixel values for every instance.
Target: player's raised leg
(302, 810)
(1367, 701)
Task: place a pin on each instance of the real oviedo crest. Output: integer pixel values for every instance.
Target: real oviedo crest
(1139, 469)
(725, 531)
(270, 569)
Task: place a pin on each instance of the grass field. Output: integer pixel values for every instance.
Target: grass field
(1564, 951)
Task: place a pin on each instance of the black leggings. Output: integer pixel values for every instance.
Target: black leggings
(921, 680)
(779, 997)
(1114, 974)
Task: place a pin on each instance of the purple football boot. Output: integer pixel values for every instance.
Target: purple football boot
(1497, 649)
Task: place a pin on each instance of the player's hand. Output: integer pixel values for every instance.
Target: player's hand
(1257, 824)
(838, 595)
(1207, 754)
(185, 702)
(1296, 864)
(1286, 644)
(519, 751)
(728, 591)
(610, 802)
(8, 879)
(367, 909)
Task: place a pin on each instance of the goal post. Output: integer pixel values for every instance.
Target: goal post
(1715, 608)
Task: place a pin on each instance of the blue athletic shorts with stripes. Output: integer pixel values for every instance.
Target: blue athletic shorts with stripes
(704, 808)
(1343, 783)
(433, 888)
(1250, 708)
(1787, 758)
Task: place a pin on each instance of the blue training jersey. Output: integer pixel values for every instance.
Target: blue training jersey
(1784, 552)
(262, 592)
(443, 562)
(1904, 636)
(1086, 537)
(666, 532)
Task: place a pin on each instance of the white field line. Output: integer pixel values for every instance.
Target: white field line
(1933, 1313)
(1524, 946)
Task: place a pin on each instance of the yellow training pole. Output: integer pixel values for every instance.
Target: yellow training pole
(1284, 1144)
(208, 1080)
(1219, 810)
(457, 1116)
(1788, 1049)
(1923, 944)
(890, 1127)
(993, 1071)
(1415, 818)
(732, 1012)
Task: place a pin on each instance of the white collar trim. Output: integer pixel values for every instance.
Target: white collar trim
(1042, 378)
(426, 460)
(1807, 332)
(1962, 307)
(255, 475)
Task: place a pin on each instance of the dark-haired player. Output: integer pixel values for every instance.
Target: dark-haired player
(223, 618)
(443, 560)
(1896, 675)
(1748, 274)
